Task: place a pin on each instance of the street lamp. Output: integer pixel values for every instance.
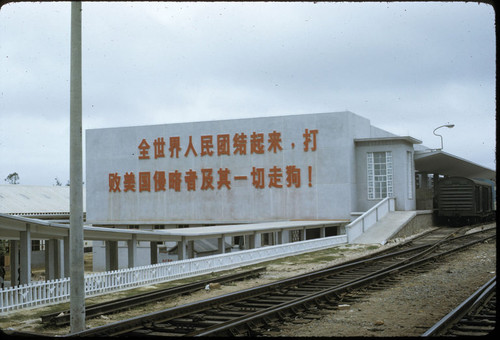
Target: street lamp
(434, 132)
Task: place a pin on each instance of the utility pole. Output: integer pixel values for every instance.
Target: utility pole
(77, 292)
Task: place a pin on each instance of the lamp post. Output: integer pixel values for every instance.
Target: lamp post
(434, 132)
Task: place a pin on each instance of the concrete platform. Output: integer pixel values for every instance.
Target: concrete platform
(387, 227)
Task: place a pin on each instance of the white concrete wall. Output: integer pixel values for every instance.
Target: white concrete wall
(399, 151)
(326, 194)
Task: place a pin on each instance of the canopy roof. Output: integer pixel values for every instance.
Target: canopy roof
(12, 226)
(440, 162)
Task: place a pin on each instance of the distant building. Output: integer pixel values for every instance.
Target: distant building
(39, 202)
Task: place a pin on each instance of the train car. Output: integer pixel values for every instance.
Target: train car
(462, 200)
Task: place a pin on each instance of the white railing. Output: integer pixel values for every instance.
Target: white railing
(369, 218)
(43, 293)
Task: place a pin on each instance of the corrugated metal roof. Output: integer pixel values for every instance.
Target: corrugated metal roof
(32, 199)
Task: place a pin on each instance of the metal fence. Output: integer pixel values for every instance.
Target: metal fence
(42, 293)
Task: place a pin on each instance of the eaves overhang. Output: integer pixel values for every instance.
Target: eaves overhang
(407, 139)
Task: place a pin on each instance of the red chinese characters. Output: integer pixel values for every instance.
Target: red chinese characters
(114, 182)
(274, 142)
(160, 181)
(261, 178)
(240, 141)
(310, 138)
(144, 147)
(159, 145)
(207, 146)
(240, 144)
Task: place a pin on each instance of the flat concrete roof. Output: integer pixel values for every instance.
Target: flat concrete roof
(11, 226)
(408, 139)
(245, 229)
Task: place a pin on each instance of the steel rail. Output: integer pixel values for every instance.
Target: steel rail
(61, 318)
(355, 284)
(471, 303)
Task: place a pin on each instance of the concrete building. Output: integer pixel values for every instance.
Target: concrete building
(304, 167)
(312, 166)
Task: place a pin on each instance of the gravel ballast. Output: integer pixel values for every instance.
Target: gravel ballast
(410, 306)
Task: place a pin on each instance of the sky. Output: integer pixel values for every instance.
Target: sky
(407, 67)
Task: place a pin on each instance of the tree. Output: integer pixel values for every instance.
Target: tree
(13, 178)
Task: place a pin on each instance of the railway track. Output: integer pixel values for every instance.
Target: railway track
(245, 312)
(476, 316)
(61, 318)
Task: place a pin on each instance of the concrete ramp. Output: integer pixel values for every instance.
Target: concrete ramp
(386, 227)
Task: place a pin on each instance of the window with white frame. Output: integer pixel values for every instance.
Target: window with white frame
(379, 175)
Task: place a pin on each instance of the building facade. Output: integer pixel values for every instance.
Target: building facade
(311, 166)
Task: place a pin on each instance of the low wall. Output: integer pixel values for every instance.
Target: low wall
(369, 218)
(422, 220)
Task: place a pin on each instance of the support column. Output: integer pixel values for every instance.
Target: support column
(341, 230)
(54, 259)
(65, 255)
(279, 237)
(303, 234)
(424, 180)
(250, 241)
(221, 245)
(59, 252)
(132, 251)
(181, 249)
(14, 263)
(50, 259)
(322, 232)
(190, 249)
(111, 255)
(25, 254)
(154, 252)
(254, 241)
(435, 182)
(241, 242)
